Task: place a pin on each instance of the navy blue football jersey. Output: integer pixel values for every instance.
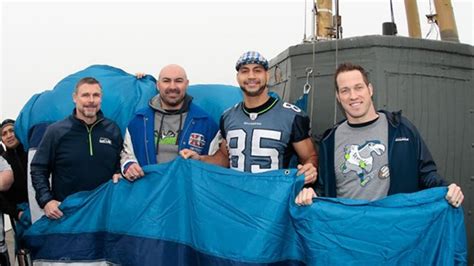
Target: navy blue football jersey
(262, 141)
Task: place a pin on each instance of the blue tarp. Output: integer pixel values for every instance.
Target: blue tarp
(215, 98)
(124, 94)
(180, 213)
(190, 213)
(403, 229)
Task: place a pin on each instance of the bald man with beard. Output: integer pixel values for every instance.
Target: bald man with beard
(171, 122)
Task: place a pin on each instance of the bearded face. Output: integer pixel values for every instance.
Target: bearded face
(252, 79)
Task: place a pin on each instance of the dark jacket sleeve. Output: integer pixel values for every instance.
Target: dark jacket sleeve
(41, 168)
(325, 186)
(427, 170)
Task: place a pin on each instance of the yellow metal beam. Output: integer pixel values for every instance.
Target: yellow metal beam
(413, 18)
(324, 25)
(446, 21)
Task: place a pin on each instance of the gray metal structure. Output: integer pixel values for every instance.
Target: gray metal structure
(430, 81)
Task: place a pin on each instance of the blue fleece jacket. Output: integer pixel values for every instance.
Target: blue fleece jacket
(79, 157)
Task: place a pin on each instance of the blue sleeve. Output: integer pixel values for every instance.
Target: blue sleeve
(41, 168)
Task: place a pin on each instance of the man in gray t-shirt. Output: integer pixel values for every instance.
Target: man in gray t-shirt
(361, 161)
(372, 154)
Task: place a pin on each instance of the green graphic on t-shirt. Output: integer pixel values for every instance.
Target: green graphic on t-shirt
(166, 138)
(360, 158)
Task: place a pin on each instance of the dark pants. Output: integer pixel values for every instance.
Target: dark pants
(4, 259)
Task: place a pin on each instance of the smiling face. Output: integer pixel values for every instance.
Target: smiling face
(88, 98)
(172, 85)
(355, 96)
(252, 79)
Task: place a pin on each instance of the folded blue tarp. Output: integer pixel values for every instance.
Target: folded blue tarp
(190, 213)
(124, 94)
(181, 213)
(403, 229)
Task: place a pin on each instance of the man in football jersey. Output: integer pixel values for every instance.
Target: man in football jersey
(262, 132)
(372, 154)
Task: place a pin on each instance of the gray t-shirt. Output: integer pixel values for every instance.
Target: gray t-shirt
(4, 164)
(167, 130)
(361, 160)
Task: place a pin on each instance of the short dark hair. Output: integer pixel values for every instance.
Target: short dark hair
(346, 67)
(87, 80)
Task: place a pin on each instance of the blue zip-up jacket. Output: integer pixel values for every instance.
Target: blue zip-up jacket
(410, 162)
(199, 129)
(78, 157)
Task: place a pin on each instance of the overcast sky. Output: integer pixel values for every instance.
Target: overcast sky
(44, 41)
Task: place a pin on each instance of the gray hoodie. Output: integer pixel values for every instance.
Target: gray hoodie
(168, 126)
